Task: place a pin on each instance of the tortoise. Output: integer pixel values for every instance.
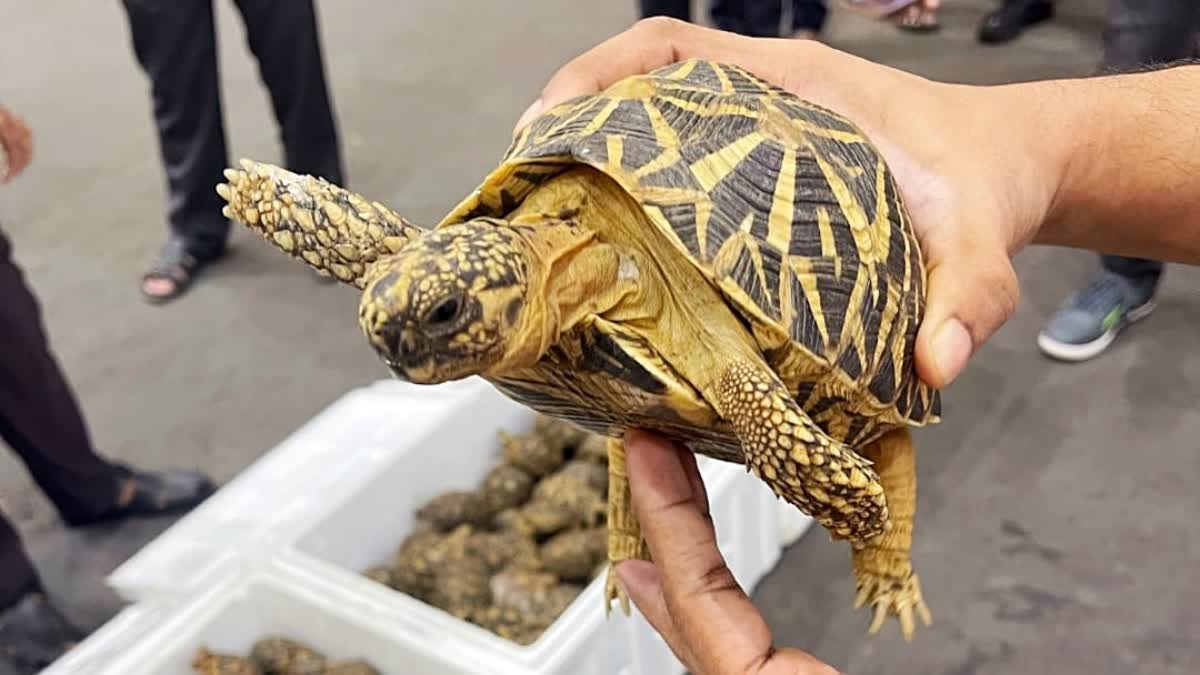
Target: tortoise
(692, 251)
(208, 662)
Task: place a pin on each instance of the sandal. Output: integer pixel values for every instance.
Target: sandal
(176, 265)
(918, 18)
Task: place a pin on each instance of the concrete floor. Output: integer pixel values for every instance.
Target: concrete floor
(1042, 494)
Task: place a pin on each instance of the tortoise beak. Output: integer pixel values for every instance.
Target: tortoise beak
(402, 350)
(396, 371)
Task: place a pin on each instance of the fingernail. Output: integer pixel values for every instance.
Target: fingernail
(951, 348)
(530, 112)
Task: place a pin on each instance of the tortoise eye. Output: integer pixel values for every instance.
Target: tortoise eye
(446, 311)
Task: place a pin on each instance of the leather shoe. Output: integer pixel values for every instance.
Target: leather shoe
(33, 633)
(155, 494)
(1013, 17)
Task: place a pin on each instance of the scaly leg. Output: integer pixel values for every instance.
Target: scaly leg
(333, 230)
(624, 533)
(785, 448)
(883, 565)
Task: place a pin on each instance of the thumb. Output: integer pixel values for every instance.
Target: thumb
(972, 291)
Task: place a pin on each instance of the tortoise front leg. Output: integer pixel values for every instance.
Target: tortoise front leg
(624, 533)
(786, 449)
(336, 232)
(883, 565)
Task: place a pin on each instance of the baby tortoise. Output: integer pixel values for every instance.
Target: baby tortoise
(575, 554)
(461, 586)
(532, 453)
(559, 434)
(573, 493)
(505, 548)
(207, 662)
(692, 251)
(420, 556)
(355, 667)
(508, 623)
(381, 574)
(593, 448)
(277, 655)
(539, 518)
(588, 473)
(538, 597)
(504, 487)
(451, 509)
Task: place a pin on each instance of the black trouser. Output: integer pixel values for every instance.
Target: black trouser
(1142, 33)
(40, 419)
(755, 18)
(175, 42)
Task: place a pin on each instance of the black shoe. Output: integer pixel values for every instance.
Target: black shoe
(1013, 17)
(33, 633)
(156, 494)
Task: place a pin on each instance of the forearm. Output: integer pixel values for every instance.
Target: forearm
(1125, 151)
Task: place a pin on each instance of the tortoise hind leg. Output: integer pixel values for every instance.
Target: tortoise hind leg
(883, 565)
(786, 449)
(624, 533)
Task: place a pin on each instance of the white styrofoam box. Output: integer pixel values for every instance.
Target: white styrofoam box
(583, 640)
(280, 599)
(292, 485)
(793, 523)
(339, 496)
(108, 643)
(369, 524)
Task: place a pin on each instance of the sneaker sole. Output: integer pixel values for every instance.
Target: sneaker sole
(1064, 351)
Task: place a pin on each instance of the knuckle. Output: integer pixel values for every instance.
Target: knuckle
(717, 578)
(660, 26)
(1006, 290)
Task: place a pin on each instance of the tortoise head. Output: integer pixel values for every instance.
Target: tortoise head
(450, 304)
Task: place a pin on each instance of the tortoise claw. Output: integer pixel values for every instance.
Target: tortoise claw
(613, 591)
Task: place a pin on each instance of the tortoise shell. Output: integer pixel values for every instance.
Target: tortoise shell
(785, 206)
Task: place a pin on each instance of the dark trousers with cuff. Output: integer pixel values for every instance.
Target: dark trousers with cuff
(41, 421)
(175, 42)
(1145, 33)
(754, 18)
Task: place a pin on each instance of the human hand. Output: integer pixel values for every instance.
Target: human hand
(17, 142)
(973, 204)
(689, 595)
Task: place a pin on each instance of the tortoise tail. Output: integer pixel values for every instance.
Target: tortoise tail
(335, 231)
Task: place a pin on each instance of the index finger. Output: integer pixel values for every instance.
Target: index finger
(722, 629)
(653, 43)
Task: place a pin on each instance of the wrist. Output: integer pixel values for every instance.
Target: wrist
(1079, 129)
(1048, 140)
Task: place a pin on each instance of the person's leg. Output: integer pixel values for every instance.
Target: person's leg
(174, 41)
(676, 9)
(39, 416)
(1011, 19)
(17, 574)
(41, 420)
(1138, 270)
(33, 633)
(286, 39)
(920, 17)
(808, 18)
(1138, 33)
(762, 18)
(728, 15)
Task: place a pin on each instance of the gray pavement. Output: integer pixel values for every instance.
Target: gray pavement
(1057, 528)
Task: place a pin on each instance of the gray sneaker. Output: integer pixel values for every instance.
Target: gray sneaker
(1090, 319)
